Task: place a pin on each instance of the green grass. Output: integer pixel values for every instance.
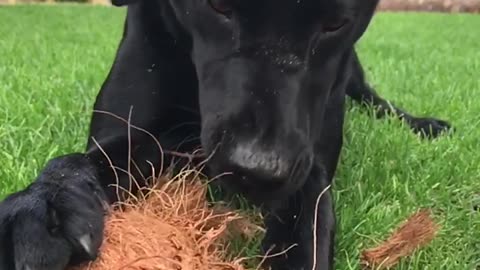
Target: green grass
(53, 60)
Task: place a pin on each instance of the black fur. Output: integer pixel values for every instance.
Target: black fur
(259, 84)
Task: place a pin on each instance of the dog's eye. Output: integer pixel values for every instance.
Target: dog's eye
(335, 25)
(221, 6)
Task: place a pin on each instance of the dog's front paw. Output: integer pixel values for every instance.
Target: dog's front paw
(55, 222)
(430, 127)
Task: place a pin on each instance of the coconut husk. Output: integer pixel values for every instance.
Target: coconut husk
(172, 226)
(414, 233)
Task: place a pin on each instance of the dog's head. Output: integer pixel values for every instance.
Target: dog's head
(266, 70)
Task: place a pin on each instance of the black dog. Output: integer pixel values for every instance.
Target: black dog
(260, 85)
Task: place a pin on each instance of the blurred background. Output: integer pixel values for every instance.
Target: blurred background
(386, 5)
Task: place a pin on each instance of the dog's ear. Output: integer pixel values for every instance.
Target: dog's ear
(120, 3)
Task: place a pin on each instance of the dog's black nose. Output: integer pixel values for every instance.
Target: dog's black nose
(249, 159)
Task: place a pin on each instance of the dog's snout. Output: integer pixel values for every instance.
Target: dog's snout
(262, 162)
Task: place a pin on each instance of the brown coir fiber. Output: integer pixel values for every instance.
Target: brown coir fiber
(417, 231)
(172, 227)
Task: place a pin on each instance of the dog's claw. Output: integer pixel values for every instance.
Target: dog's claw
(87, 244)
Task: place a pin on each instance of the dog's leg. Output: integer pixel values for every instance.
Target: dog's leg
(301, 233)
(154, 81)
(359, 90)
(59, 219)
(302, 228)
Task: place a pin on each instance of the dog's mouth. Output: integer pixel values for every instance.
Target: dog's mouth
(262, 176)
(259, 190)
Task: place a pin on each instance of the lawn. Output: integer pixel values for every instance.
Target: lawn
(53, 60)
